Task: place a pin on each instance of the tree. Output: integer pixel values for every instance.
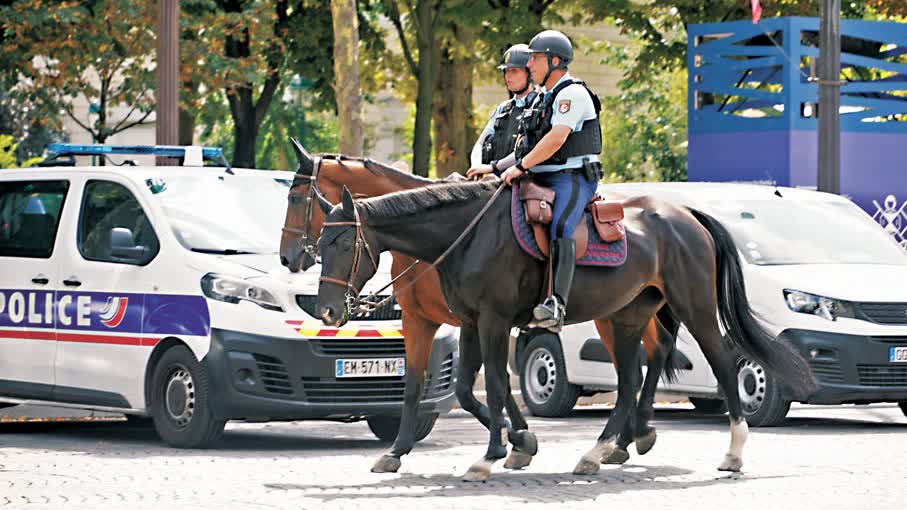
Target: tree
(346, 71)
(422, 17)
(100, 50)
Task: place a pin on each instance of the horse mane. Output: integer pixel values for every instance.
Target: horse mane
(419, 200)
(378, 168)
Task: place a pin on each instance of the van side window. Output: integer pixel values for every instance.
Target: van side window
(113, 227)
(29, 217)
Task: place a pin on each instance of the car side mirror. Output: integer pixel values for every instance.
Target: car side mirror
(123, 247)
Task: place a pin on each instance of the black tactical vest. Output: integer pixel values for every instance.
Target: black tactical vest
(535, 122)
(506, 128)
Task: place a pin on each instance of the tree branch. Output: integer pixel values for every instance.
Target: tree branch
(394, 14)
(264, 99)
(68, 111)
(127, 126)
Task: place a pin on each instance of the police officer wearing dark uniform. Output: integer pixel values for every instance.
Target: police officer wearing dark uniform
(497, 140)
(558, 145)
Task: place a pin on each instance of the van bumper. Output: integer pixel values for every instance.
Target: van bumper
(852, 369)
(261, 378)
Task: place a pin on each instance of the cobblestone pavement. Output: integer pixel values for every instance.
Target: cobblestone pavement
(825, 457)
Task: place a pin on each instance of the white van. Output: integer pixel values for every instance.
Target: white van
(821, 273)
(158, 291)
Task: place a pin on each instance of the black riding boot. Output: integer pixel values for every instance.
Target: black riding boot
(550, 314)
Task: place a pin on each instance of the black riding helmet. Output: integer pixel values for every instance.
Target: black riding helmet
(517, 57)
(553, 44)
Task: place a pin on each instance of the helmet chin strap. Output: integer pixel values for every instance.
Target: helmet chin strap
(551, 68)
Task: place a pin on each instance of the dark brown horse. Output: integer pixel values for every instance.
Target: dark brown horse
(424, 308)
(680, 257)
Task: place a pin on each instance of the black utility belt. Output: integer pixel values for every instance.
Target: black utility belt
(591, 170)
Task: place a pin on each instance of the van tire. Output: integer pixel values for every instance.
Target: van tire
(385, 427)
(543, 378)
(903, 406)
(181, 401)
(760, 395)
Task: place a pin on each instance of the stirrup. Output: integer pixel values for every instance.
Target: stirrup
(549, 313)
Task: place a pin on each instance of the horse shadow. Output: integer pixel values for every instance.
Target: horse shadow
(525, 486)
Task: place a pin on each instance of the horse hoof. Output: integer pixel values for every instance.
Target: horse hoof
(586, 466)
(517, 460)
(731, 463)
(478, 472)
(618, 456)
(646, 442)
(524, 441)
(386, 464)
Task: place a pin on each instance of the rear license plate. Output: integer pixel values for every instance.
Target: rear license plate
(897, 354)
(380, 367)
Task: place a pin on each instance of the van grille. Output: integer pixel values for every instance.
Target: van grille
(885, 313)
(827, 371)
(882, 375)
(442, 382)
(376, 347)
(273, 374)
(387, 312)
(372, 389)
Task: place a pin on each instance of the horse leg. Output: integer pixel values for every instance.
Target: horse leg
(626, 349)
(606, 335)
(494, 343)
(524, 442)
(659, 339)
(699, 317)
(418, 337)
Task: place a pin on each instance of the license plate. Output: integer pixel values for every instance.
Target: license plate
(381, 367)
(897, 354)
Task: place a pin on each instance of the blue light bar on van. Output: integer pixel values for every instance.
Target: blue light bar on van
(167, 151)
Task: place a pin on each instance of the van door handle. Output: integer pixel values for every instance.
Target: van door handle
(40, 280)
(71, 282)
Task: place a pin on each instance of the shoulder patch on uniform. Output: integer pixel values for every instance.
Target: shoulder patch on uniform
(563, 106)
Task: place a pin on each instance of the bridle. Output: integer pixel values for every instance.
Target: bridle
(352, 293)
(308, 247)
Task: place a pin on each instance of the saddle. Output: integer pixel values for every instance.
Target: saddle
(607, 217)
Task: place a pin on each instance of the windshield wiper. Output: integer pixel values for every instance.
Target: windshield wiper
(228, 251)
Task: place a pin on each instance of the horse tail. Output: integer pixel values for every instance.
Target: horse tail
(742, 328)
(667, 340)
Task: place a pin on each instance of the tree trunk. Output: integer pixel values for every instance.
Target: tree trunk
(346, 72)
(453, 115)
(245, 129)
(427, 75)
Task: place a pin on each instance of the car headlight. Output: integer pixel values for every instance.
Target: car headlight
(828, 308)
(233, 290)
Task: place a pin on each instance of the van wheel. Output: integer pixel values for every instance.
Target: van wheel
(180, 401)
(543, 378)
(760, 395)
(385, 427)
(709, 405)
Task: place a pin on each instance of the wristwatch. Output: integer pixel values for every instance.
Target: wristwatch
(494, 165)
(520, 167)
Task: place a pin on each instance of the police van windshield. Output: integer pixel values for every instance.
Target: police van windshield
(226, 214)
(778, 232)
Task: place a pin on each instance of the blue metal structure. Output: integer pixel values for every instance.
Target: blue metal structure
(753, 107)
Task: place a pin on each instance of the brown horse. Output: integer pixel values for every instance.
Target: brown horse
(424, 308)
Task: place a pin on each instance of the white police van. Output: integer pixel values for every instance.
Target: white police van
(158, 291)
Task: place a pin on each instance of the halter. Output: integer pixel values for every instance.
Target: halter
(307, 246)
(352, 293)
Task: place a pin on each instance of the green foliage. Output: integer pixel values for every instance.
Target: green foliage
(315, 129)
(8, 151)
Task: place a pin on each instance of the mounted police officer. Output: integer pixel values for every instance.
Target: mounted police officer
(558, 145)
(497, 140)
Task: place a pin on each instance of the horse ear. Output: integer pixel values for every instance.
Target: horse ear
(306, 164)
(346, 199)
(325, 205)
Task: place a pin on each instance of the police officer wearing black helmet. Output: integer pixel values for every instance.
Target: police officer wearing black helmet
(558, 145)
(497, 140)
